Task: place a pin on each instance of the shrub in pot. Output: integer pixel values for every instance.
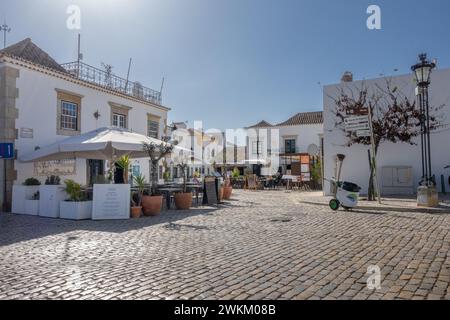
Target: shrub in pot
(124, 163)
(26, 197)
(136, 207)
(76, 207)
(152, 202)
(227, 189)
(183, 200)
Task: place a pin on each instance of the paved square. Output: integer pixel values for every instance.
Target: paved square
(260, 245)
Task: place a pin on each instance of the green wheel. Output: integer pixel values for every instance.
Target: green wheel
(334, 204)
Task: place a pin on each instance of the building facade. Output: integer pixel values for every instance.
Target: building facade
(42, 102)
(399, 165)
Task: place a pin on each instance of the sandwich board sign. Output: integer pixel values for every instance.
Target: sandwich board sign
(6, 151)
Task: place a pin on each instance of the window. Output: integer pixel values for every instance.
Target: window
(289, 146)
(119, 115)
(69, 116)
(68, 113)
(153, 128)
(119, 120)
(257, 147)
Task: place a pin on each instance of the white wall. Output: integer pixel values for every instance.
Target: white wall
(305, 135)
(356, 165)
(37, 104)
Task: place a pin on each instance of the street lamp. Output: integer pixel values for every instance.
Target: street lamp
(5, 28)
(422, 72)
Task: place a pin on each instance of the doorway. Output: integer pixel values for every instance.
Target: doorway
(96, 169)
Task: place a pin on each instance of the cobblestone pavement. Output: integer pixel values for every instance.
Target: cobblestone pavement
(260, 245)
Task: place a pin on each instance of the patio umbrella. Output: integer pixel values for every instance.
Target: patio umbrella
(107, 143)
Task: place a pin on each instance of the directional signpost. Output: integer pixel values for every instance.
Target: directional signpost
(361, 125)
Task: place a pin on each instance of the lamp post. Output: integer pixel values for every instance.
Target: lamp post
(422, 73)
(5, 28)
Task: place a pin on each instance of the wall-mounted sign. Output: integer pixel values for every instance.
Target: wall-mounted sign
(111, 202)
(55, 167)
(6, 151)
(26, 133)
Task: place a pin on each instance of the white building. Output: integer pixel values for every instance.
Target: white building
(290, 140)
(42, 102)
(399, 165)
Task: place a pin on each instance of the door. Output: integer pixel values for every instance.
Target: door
(96, 169)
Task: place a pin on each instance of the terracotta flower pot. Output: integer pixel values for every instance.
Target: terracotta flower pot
(183, 201)
(136, 212)
(152, 205)
(220, 194)
(227, 192)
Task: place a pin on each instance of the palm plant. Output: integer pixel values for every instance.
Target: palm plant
(124, 163)
(74, 190)
(139, 181)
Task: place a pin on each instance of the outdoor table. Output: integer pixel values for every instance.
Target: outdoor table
(289, 178)
(169, 192)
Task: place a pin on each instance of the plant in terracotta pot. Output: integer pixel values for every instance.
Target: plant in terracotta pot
(136, 206)
(124, 163)
(152, 202)
(183, 200)
(227, 189)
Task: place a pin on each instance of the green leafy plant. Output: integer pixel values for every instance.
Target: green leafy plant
(236, 173)
(53, 181)
(74, 190)
(183, 167)
(139, 181)
(124, 163)
(32, 182)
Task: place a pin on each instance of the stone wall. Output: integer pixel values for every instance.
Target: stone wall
(8, 132)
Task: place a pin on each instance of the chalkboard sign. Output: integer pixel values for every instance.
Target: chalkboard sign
(210, 191)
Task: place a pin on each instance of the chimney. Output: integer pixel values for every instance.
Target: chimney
(347, 77)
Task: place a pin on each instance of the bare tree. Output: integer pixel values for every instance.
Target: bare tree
(395, 117)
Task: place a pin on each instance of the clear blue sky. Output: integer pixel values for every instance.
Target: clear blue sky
(232, 63)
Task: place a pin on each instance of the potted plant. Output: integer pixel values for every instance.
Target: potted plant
(124, 163)
(152, 202)
(183, 200)
(227, 189)
(76, 207)
(26, 197)
(136, 207)
(50, 196)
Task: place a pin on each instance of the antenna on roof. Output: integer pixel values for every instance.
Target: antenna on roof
(162, 87)
(5, 28)
(128, 75)
(79, 55)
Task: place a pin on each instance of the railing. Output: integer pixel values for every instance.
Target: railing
(289, 151)
(110, 81)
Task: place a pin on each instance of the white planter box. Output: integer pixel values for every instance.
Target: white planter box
(111, 202)
(32, 207)
(20, 195)
(50, 197)
(75, 210)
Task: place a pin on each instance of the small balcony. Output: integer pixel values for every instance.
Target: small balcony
(112, 82)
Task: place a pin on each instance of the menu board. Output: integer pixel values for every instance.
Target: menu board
(111, 202)
(210, 191)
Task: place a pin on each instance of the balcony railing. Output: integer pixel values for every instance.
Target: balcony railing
(103, 79)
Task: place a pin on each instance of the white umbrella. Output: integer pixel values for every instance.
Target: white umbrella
(102, 144)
